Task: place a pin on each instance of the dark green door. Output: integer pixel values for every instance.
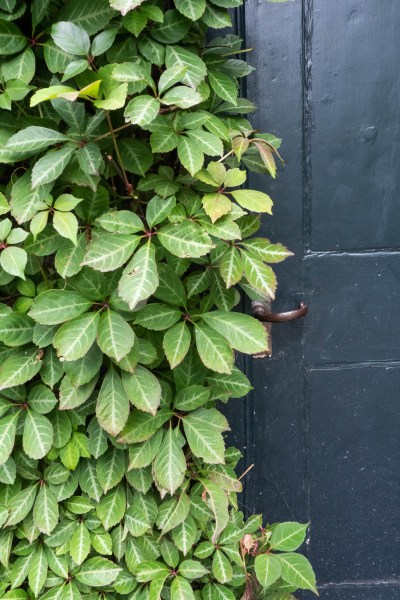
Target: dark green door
(322, 426)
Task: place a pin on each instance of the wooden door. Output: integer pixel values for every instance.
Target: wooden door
(322, 426)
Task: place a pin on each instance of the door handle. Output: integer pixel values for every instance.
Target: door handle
(262, 311)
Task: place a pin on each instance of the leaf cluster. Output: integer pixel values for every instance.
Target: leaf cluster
(126, 242)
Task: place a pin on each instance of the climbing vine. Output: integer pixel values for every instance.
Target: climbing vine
(126, 241)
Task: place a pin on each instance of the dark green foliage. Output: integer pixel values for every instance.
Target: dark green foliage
(126, 239)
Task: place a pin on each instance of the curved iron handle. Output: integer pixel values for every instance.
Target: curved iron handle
(261, 311)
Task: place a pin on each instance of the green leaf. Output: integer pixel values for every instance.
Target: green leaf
(25, 201)
(74, 339)
(13, 260)
(98, 572)
(143, 389)
(19, 368)
(112, 507)
(89, 158)
(141, 426)
(8, 428)
(142, 110)
(110, 469)
(268, 569)
(170, 464)
(21, 504)
(38, 435)
(16, 329)
(108, 251)
(57, 306)
(51, 165)
(221, 567)
(45, 512)
(263, 250)
(203, 430)
(190, 155)
(288, 536)
(216, 205)
(217, 501)
(120, 221)
(224, 86)
(231, 267)
(22, 67)
(191, 397)
(69, 257)
(297, 571)
(253, 200)
(192, 9)
(185, 535)
(11, 39)
(140, 278)
(71, 38)
(213, 349)
(142, 455)
(67, 225)
(115, 337)
(183, 97)
(156, 317)
(38, 571)
(172, 513)
(112, 407)
(74, 68)
(176, 343)
(181, 589)
(196, 68)
(136, 156)
(34, 138)
(170, 77)
(186, 239)
(243, 332)
(259, 275)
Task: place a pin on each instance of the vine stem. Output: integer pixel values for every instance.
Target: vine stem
(45, 278)
(245, 473)
(101, 137)
(128, 185)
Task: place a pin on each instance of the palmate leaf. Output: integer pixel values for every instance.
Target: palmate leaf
(116, 329)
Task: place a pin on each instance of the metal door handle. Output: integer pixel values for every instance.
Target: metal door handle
(262, 312)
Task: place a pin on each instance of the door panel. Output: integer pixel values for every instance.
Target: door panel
(355, 133)
(322, 423)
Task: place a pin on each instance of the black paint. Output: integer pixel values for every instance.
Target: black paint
(322, 425)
